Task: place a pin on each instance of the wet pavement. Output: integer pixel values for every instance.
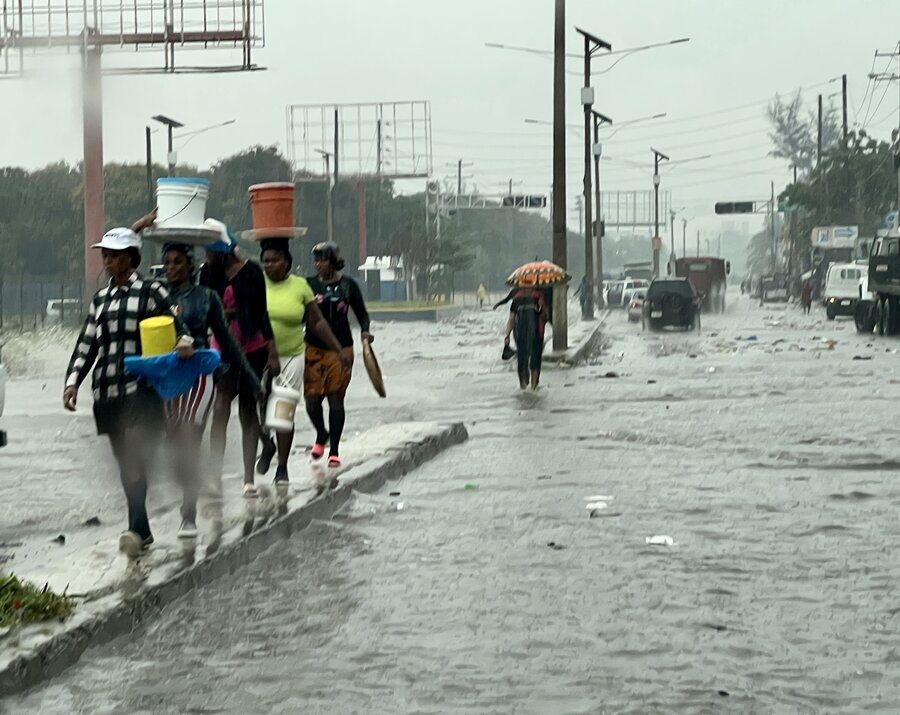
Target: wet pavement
(513, 574)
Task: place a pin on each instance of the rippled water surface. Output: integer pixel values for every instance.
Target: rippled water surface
(486, 586)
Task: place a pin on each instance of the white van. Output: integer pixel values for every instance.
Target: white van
(842, 288)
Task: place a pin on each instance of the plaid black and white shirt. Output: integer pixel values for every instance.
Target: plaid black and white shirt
(111, 332)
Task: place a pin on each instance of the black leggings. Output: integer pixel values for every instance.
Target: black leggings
(133, 449)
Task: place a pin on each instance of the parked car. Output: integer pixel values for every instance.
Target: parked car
(670, 302)
(60, 309)
(842, 288)
(636, 305)
(774, 288)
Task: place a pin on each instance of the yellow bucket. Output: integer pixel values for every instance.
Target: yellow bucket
(157, 335)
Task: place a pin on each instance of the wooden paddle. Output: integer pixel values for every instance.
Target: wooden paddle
(372, 368)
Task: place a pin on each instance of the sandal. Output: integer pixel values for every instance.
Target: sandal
(334, 461)
(250, 491)
(317, 451)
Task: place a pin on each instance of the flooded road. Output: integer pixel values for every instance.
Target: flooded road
(513, 574)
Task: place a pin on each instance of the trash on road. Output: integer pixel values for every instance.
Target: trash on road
(661, 540)
(93, 521)
(599, 497)
(61, 539)
(556, 547)
(862, 357)
(749, 338)
(710, 370)
(596, 505)
(469, 486)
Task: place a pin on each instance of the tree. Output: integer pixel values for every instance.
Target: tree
(796, 137)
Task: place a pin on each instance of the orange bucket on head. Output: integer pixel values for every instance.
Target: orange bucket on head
(272, 205)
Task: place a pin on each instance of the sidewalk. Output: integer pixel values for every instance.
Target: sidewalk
(582, 336)
(114, 594)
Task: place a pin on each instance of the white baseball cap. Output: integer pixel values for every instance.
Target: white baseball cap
(118, 239)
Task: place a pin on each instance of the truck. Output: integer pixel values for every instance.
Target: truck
(830, 244)
(642, 270)
(842, 288)
(708, 276)
(884, 280)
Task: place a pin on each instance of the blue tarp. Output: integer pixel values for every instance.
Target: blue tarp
(171, 376)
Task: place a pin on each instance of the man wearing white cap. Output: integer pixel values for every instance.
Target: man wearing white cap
(131, 414)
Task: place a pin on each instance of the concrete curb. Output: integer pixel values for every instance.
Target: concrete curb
(51, 648)
(585, 346)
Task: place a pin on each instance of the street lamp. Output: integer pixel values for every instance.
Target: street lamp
(194, 133)
(599, 227)
(592, 45)
(170, 125)
(329, 206)
(657, 241)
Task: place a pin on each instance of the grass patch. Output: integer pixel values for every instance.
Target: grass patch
(23, 602)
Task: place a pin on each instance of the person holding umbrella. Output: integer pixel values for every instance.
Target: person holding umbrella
(529, 314)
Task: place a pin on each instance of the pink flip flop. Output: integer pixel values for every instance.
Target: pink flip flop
(317, 451)
(334, 461)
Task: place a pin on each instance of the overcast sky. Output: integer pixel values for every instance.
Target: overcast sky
(714, 89)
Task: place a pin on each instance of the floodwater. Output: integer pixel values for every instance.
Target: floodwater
(765, 448)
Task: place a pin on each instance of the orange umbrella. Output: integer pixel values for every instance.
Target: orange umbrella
(538, 274)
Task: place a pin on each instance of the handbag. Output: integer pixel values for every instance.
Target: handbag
(508, 352)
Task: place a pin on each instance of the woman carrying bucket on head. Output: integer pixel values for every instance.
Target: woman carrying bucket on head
(131, 414)
(325, 375)
(201, 311)
(292, 308)
(241, 285)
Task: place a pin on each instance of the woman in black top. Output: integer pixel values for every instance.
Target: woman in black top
(325, 375)
(242, 288)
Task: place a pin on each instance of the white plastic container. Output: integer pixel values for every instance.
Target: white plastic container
(181, 202)
(281, 407)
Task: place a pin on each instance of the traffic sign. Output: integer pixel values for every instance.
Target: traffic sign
(735, 207)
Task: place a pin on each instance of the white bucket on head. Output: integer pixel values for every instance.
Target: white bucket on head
(281, 406)
(181, 202)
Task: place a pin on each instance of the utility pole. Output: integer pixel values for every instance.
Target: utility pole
(599, 226)
(378, 161)
(684, 238)
(772, 209)
(819, 135)
(844, 102)
(672, 230)
(656, 241)
(698, 242)
(580, 201)
(890, 77)
(591, 45)
(151, 199)
(560, 317)
(329, 205)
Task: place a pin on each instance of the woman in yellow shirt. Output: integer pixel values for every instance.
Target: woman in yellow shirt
(292, 310)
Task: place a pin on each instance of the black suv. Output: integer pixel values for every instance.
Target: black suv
(671, 302)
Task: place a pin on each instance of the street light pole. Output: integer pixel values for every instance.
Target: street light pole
(599, 228)
(170, 125)
(560, 317)
(591, 45)
(657, 241)
(329, 207)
